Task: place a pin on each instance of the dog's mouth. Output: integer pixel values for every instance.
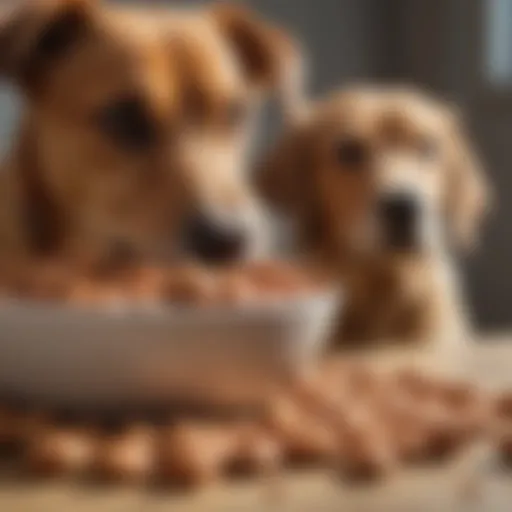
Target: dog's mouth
(400, 239)
(197, 242)
(205, 238)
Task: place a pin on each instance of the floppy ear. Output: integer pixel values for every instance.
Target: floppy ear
(286, 181)
(469, 193)
(281, 175)
(269, 57)
(35, 33)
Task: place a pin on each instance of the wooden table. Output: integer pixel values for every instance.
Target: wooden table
(475, 483)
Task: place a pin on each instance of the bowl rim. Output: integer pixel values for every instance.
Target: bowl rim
(127, 310)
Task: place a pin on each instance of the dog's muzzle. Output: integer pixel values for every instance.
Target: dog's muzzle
(214, 240)
(399, 216)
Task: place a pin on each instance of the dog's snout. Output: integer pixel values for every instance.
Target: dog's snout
(214, 241)
(399, 216)
(398, 209)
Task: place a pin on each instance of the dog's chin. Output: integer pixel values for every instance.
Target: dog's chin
(419, 249)
(383, 248)
(404, 252)
(418, 243)
(389, 253)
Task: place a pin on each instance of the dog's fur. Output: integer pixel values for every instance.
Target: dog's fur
(86, 171)
(405, 141)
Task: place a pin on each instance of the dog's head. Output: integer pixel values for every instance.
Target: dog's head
(379, 171)
(139, 119)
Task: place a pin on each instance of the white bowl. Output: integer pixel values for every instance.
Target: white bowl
(134, 355)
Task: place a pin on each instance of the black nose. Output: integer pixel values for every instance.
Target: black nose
(399, 216)
(214, 241)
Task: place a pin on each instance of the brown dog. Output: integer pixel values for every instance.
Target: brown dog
(383, 185)
(135, 127)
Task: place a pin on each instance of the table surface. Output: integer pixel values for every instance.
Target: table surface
(475, 483)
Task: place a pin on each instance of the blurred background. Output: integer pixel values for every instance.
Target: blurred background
(461, 49)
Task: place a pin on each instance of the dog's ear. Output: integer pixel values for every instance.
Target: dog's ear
(268, 56)
(34, 34)
(469, 194)
(285, 180)
(282, 174)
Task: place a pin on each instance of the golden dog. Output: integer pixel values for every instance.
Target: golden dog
(384, 185)
(135, 127)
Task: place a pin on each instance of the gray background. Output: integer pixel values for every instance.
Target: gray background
(439, 44)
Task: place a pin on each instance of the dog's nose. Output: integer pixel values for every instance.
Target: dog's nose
(214, 241)
(399, 215)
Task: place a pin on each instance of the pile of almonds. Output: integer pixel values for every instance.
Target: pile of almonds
(80, 283)
(348, 418)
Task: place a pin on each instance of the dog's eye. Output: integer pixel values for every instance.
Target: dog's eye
(428, 147)
(127, 122)
(351, 152)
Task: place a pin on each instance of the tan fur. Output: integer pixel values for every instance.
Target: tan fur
(187, 69)
(390, 297)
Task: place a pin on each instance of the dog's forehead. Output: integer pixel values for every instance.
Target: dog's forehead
(184, 47)
(157, 52)
(417, 111)
(118, 55)
(368, 109)
(190, 36)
